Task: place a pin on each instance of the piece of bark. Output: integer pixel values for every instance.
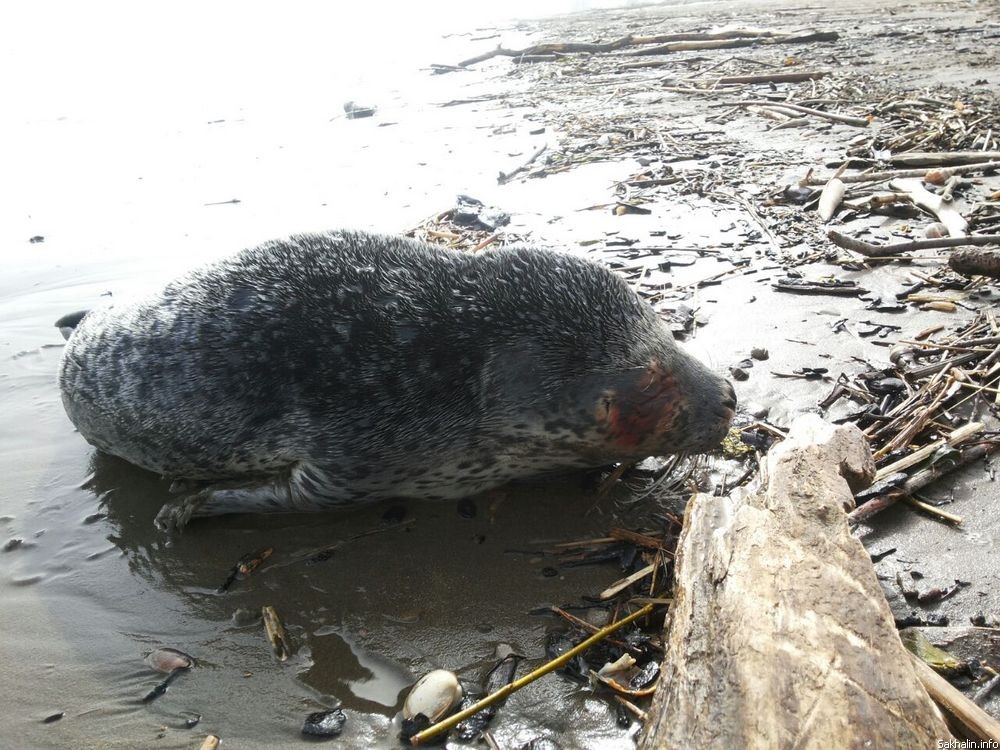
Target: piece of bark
(780, 635)
(976, 262)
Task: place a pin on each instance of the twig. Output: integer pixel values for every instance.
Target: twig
(859, 122)
(883, 176)
(934, 511)
(505, 177)
(586, 626)
(881, 251)
(627, 581)
(917, 481)
(960, 435)
(444, 725)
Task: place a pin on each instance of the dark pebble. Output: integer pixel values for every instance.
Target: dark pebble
(759, 353)
(12, 544)
(325, 723)
(395, 514)
(739, 373)
(53, 717)
(549, 572)
(192, 721)
(412, 726)
(466, 508)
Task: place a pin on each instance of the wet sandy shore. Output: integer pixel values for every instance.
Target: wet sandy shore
(121, 202)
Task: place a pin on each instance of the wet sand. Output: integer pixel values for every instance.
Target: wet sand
(93, 586)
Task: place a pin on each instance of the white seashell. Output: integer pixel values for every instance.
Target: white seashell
(625, 662)
(935, 230)
(434, 695)
(167, 660)
(830, 198)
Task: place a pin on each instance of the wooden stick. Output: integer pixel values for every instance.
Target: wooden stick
(859, 122)
(881, 251)
(643, 540)
(917, 481)
(934, 511)
(771, 77)
(445, 724)
(960, 435)
(624, 583)
(967, 715)
(917, 159)
(819, 36)
(882, 176)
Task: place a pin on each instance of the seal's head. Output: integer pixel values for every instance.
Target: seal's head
(597, 374)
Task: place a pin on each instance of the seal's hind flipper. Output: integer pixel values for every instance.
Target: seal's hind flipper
(68, 323)
(305, 487)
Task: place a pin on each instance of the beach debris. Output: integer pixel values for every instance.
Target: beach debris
(324, 723)
(245, 566)
(276, 633)
(470, 225)
(976, 262)
(357, 111)
(658, 44)
(52, 718)
(830, 198)
(838, 287)
(937, 658)
(444, 725)
(167, 661)
(499, 676)
(211, 742)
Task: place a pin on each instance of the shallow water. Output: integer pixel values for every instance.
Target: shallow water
(119, 176)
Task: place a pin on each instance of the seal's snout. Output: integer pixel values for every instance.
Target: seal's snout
(656, 410)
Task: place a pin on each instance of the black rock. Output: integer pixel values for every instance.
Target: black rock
(325, 723)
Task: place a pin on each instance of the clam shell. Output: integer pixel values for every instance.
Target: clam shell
(434, 695)
(166, 660)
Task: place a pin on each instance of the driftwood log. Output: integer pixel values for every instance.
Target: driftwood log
(779, 635)
(976, 262)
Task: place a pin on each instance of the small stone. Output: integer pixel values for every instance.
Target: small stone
(549, 572)
(759, 353)
(394, 515)
(53, 717)
(325, 723)
(12, 544)
(739, 373)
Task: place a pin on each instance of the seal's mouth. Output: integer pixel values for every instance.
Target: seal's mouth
(651, 412)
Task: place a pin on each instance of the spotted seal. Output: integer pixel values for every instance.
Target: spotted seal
(333, 368)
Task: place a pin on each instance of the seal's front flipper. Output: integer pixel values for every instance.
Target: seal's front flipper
(305, 487)
(263, 497)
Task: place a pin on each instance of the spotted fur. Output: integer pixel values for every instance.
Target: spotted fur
(329, 369)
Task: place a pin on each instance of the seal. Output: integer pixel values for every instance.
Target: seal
(334, 368)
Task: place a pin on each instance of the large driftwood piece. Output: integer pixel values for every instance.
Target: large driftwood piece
(779, 635)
